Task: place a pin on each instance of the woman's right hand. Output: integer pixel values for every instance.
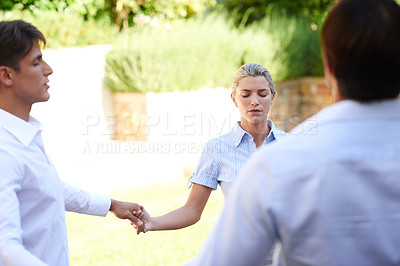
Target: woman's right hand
(147, 220)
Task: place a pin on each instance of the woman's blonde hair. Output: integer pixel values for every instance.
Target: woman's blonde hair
(252, 70)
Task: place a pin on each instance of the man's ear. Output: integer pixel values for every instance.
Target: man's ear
(327, 65)
(327, 69)
(332, 81)
(234, 99)
(6, 79)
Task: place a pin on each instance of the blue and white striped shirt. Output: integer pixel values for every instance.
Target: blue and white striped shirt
(223, 157)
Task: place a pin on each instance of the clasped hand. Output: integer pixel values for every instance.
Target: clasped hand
(134, 212)
(131, 211)
(144, 217)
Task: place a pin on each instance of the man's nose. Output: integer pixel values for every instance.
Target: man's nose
(47, 69)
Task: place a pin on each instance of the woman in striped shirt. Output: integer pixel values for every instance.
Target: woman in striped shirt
(223, 157)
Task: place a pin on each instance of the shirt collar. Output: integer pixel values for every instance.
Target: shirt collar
(350, 110)
(238, 133)
(19, 128)
(275, 132)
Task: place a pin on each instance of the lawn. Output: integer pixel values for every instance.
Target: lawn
(110, 241)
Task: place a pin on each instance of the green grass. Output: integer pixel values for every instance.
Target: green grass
(110, 241)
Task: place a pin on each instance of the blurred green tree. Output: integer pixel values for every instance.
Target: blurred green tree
(88, 9)
(123, 13)
(6, 4)
(247, 12)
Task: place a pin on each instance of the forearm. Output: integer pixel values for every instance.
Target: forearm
(81, 201)
(185, 216)
(177, 219)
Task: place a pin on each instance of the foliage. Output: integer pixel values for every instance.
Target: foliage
(110, 242)
(126, 13)
(184, 56)
(299, 51)
(188, 55)
(160, 54)
(87, 9)
(123, 13)
(246, 12)
(65, 30)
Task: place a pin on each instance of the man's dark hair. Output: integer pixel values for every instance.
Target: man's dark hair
(17, 38)
(361, 40)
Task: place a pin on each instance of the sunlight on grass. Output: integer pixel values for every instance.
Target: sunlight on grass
(110, 241)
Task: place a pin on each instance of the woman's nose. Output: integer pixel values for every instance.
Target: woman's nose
(254, 100)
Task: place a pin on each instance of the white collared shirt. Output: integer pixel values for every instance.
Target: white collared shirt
(330, 198)
(223, 157)
(33, 199)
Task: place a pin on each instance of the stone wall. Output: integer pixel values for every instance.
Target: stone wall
(201, 110)
(296, 100)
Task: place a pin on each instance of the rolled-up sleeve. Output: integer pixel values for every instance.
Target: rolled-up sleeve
(207, 170)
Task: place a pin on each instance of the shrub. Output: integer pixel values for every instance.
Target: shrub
(65, 30)
(298, 50)
(247, 12)
(185, 56)
(127, 12)
(122, 13)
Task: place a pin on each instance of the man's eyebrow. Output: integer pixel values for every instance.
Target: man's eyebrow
(38, 57)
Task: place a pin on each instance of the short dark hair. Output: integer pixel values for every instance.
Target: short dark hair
(361, 41)
(17, 38)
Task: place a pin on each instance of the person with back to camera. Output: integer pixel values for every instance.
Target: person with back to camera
(33, 199)
(331, 198)
(222, 158)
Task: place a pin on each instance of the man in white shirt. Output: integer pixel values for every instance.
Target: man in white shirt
(330, 193)
(33, 199)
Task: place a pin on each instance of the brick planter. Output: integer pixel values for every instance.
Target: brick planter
(295, 101)
(299, 99)
(131, 116)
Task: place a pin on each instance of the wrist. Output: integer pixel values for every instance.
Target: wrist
(112, 205)
(151, 224)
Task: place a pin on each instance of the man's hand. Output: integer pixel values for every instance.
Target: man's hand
(125, 210)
